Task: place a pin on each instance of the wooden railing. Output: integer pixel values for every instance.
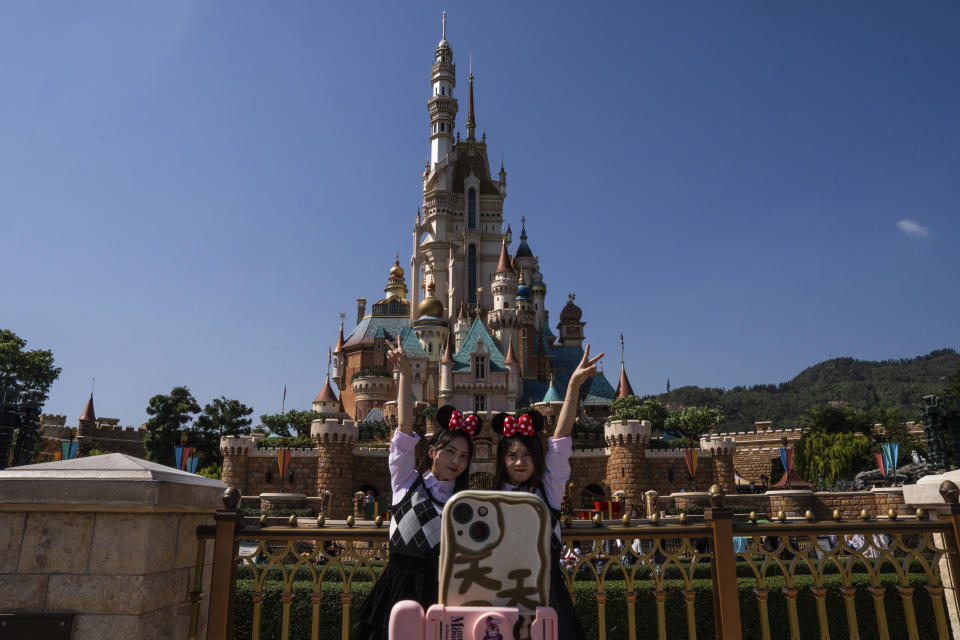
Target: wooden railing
(712, 576)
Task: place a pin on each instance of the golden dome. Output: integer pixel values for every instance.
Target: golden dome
(396, 271)
(430, 307)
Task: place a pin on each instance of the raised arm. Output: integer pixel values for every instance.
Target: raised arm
(584, 370)
(399, 360)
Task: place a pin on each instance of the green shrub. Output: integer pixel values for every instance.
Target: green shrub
(675, 607)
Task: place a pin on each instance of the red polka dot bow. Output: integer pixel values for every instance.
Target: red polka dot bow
(466, 424)
(512, 426)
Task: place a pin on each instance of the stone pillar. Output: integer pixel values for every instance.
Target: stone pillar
(235, 450)
(722, 450)
(110, 539)
(627, 464)
(335, 441)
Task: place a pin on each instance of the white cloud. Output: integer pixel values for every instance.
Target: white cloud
(913, 228)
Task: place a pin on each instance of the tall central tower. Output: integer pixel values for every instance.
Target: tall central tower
(442, 105)
(456, 246)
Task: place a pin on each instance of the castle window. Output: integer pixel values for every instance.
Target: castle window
(479, 403)
(472, 209)
(472, 274)
(480, 367)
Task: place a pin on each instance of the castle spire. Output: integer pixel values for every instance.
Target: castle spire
(88, 413)
(623, 388)
(471, 120)
(504, 265)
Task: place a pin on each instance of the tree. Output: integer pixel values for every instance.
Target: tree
(835, 456)
(951, 391)
(20, 369)
(293, 423)
(631, 408)
(692, 422)
(170, 415)
(221, 417)
(830, 419)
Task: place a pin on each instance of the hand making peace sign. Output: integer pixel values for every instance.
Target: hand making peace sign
(586, 369)
(397, 356)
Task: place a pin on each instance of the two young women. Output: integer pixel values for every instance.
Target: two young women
(419, 494)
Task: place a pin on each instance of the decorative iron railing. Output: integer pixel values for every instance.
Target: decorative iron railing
(699, 577)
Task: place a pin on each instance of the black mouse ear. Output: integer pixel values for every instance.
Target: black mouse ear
(443, 415)
(497, 422)
(537, 419)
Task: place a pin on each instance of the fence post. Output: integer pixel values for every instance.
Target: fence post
(224, 579)
(726, 597)
(951, 495)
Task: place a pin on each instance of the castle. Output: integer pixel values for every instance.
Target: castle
(475, 325)
(474, 321)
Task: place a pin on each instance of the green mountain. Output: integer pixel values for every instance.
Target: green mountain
(860, 384)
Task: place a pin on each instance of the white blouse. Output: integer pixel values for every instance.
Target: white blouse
(403, 472)
(556, 472)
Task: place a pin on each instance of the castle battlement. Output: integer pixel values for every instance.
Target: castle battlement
(662, 454)
(621, 432)
(333, 430)
(599, 452)
(371, 452)
(718, 444)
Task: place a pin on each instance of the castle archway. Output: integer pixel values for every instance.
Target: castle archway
(590, 494)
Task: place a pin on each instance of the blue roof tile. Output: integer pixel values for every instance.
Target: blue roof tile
(469, 346)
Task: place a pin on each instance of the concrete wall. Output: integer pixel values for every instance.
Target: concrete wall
(111, 539)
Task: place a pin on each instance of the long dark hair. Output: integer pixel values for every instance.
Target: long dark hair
(534, 445)
(443, 437)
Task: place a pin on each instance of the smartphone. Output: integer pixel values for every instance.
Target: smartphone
(495, 550)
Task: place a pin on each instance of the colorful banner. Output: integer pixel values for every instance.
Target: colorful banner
(192, 462)
(882, 464)
(786, 457)
(691, 456)
(68, 450)
(890, 454)
(178, 454)
(283, 460)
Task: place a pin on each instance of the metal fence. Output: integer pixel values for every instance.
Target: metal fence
(714, 576)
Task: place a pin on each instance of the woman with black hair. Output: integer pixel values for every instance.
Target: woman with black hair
(418, 499)
(523, 464)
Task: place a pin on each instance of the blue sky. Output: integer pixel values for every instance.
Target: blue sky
(191, 192)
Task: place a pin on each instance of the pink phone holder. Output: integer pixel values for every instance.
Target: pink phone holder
(408, 622)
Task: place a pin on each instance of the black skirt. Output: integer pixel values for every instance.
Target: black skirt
(568, 624)
(405, 578)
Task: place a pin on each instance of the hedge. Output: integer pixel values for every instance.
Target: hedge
(616, 614)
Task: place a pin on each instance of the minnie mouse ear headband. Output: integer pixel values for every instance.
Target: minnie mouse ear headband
(450, 418)
(526, 424)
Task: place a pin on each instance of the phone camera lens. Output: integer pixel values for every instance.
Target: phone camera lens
(479, 531)
(462, 513)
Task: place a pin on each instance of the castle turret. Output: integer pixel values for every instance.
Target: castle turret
(442, 105)
(627, 464)
(335, 440)
(326, 402)
(236, 452)
(570, 326)
(722, 450)
(337, 368)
